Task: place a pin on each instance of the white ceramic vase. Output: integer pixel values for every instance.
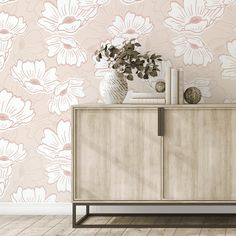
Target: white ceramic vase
(113, 88)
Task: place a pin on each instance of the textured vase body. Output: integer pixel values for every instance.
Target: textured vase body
(113, 88)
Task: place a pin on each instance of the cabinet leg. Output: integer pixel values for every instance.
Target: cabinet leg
(75, 223)
(74, 215)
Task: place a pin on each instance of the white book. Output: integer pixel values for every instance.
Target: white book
(144, 95)
(174, 86)
(181, 85)
(147, 101)
(168, 84)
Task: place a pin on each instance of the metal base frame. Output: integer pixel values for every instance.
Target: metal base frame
(79, 223)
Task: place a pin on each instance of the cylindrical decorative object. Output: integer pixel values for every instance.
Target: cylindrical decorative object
(192, 95)
(113, 88)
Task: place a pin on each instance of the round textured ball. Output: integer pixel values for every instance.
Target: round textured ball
(192, 95)
(160, 86)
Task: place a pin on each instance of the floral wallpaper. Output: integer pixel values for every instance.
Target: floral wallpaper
(47, 64)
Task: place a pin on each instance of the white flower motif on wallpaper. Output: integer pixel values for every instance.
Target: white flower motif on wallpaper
(34, 77)
(10, 153)
(132, 26)
(60, 173)
(229, 62)
(4, 178)
(5, 47)
(202, 84)
(218, 3)
(193, 50)
(230, 100)
(32, 195)
(10, 26)
(66, 95)
(87, 4)
(192, 17)
(6, 1)
(67, 51)
(102, 66)
(67, 16)
(14, 111)
(130, 1)
(56, 146)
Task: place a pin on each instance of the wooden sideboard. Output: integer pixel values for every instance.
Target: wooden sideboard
(151, 154)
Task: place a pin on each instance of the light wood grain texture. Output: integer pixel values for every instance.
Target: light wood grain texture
(213, 232)
(42, 226)
(117, 154)
(63, 228)
(136, 232)
(179, 106)
(187, 232)
(91, 231)
(231, 232)
(109, 232)
(162, 232)
(18, 225)
(199, 154)
(23, 224)
(5, 220)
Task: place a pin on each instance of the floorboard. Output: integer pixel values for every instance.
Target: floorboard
(4, 220)
(213, 232)
(62, 226)
(18, 225)
(231, 232)
(91, 232)
(187, 232)
(42, 226)
(136, 232)
(162, 232)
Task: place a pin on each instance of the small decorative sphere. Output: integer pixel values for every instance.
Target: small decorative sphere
(192, 95)
(160, 86)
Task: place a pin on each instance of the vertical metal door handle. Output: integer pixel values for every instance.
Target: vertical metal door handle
(160, 121)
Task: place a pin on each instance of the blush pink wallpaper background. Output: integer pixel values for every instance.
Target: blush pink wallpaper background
(47, 65)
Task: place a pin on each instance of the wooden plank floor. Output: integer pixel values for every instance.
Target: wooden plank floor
(61, 226)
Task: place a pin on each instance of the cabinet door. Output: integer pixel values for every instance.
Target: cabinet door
(200, 154)
(117, 154)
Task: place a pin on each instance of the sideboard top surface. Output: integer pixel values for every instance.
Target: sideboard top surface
(184, 106)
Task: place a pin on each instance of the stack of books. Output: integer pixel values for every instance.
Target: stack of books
(174, 90)
(149, 97)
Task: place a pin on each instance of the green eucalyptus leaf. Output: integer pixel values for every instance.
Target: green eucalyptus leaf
(128, 70)
(130, 77)
(140, 75)
(140, 68)
(153, 73)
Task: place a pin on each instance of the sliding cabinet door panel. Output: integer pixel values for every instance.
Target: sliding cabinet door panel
(200, 154)
(118, 154)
